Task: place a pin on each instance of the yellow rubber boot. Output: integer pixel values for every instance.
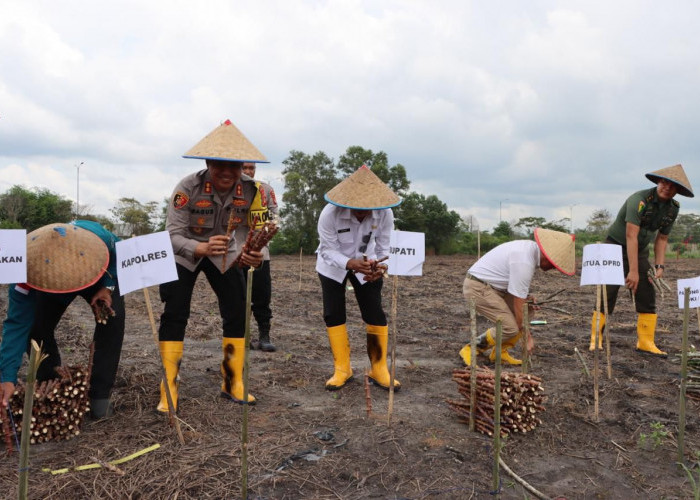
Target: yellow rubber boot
(483, 343)
(646, 327)
(232, 371)
(340, 347)
(377, 341)
(505, 355)
(171, 354)
(601, 326)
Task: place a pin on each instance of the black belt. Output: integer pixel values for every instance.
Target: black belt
(477, 279)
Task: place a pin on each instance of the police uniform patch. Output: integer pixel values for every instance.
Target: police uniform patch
(197, 230)
(207, 187)
(239, 190)
(180, 200)
(203, 203)
(201, 221)
(640, 207)
(239, 203)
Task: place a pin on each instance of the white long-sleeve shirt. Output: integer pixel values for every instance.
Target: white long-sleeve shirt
(342, 237)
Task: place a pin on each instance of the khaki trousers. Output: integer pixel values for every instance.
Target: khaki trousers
(493, 305)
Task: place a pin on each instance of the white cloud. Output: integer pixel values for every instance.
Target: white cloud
(541, 103)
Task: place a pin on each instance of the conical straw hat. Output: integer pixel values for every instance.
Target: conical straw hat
(363, 190)
(558, 248)
(675, 174)
(226, 143)
(64, 258)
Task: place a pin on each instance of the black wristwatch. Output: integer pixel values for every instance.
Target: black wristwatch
(659, 266)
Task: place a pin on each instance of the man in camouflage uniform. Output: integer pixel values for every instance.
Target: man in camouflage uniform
(648, 215)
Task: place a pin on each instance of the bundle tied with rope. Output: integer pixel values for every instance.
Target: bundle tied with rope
(522, 399)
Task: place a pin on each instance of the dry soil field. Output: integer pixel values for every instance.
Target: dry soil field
(306, 442)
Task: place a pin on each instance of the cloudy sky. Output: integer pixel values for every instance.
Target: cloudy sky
(503, 109)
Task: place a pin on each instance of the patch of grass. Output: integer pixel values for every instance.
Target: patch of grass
(654, 439)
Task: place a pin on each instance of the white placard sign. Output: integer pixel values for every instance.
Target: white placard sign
(602, 265)
(13, 255)
(145, 261)
(694, 285)
(406, 253)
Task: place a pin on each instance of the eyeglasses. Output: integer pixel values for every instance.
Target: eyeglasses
(365, 240)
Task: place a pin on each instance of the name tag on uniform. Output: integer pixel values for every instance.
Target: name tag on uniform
(343, 230)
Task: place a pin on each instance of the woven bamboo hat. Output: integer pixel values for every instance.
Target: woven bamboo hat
(558, 248)
(675, 174)
(362, 190)
(64, 258)
(226, 143)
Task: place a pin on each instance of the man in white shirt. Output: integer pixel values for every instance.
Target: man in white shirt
(499, 283)
(354, 230)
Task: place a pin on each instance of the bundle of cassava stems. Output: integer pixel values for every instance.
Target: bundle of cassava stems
(522, 399)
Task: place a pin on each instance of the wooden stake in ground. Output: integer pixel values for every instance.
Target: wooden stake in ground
(497, 408)
(244, 426)
(301, 267)
(526, 336)
(478, 244)
(172, 417)
(472, 378)
(35, 359)
(392, 374)
(607, 327)
(368, 394)
(684, 377)
(596, 352)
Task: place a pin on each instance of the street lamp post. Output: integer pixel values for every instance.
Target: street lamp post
(571, 218)
(77, 190)
(500, 210)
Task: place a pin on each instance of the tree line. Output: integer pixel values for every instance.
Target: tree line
(307, 177)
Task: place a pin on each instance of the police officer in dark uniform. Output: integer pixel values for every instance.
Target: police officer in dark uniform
(646, 216)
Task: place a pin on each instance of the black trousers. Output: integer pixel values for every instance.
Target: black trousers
(369, 298)
(645, 298)
(261, 294)
(108, 338)
(229, 288)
